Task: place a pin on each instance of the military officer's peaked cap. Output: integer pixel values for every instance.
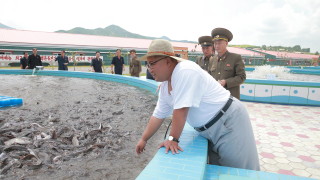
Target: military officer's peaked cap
(205, 40)
(221, 33)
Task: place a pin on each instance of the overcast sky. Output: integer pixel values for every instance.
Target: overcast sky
(254, 22)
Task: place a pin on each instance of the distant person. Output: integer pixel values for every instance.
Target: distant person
(63, 61)
(135, 65)
(117, 64)
(24, 60)
(208, 52)
(96, 63)
(228, 68)
(34, 60)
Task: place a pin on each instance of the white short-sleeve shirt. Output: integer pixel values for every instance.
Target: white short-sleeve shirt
(194, 88)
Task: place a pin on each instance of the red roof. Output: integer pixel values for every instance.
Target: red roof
(291, 55)
(13, 36)
(242, 51)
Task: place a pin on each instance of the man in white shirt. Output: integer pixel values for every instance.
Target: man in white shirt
(192, 95)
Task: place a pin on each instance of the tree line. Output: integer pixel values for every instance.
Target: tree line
(296, 48)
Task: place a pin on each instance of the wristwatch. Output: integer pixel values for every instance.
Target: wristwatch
(171, 138)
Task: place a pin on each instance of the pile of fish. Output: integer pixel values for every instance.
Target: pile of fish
(32, 146)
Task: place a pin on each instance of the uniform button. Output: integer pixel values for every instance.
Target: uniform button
(218, 72)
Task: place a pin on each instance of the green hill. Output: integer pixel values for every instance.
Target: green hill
(4, 26)
(114, 31)
(111, 30)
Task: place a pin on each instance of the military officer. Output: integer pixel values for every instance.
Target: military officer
(135, 65)
(208, 52)
(228, 68)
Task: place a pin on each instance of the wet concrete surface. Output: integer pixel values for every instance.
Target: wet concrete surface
(106, 69)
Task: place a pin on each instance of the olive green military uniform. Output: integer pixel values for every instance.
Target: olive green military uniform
(135, 67)
(202, 61)
(229, 67)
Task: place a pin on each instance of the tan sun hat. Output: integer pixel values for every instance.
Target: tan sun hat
(160, 47)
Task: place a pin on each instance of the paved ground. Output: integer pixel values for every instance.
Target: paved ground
(287, 137)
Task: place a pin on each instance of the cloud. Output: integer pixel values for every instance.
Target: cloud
(286, 23)
(256, 22)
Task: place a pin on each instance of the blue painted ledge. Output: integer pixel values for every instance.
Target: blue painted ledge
(189, 164)
(314, 70)
(214, 172)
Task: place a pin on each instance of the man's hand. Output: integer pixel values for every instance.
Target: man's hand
(140, 146)
(172, 146)
(222, 82)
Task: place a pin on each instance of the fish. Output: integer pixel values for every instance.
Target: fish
(5, 169)
(3, 159)
(45, 136)
(21, 140)
(34, 165)
(15, 148)
(2, 131)
(75, 141)
(57, 159)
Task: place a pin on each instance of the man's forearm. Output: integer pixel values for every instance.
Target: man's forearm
(178, 121)
(152, 127)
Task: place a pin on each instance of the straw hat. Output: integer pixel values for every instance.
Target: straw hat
(160, 47)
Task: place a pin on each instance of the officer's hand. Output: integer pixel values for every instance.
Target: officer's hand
(140, 146)
(223, 82)
(172, 146)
